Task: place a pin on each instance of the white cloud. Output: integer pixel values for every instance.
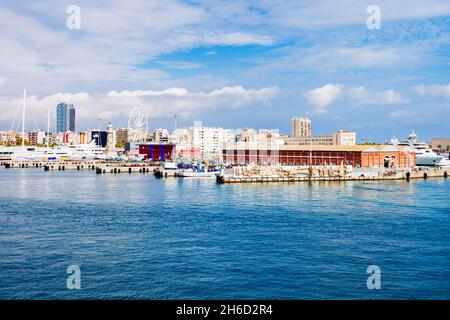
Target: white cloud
(297, 14)
(402, 114)
(2, 80)
(433, 90)
(181, 65)
(361, 96)
(327, 58)
(114, 41)
(321, 97)
(237, 39)
(368, 56)
(115, 106)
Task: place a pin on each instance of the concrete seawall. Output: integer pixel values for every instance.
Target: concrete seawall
(49, 165)
(402, 175)
(124, 168)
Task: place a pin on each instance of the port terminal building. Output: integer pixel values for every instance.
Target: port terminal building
(365, 156)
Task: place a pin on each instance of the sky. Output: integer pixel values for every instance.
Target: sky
(233, 64)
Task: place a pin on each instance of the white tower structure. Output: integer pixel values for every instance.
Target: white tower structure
(110, 149)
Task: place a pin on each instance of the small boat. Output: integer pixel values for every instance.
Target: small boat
(193, 174)
(197, 173)
(169, 169)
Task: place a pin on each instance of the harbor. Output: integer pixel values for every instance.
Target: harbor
(224, 159)
(227, 156)
(233, 174)
(128, 223)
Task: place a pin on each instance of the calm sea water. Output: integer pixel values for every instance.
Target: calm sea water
(134, 236)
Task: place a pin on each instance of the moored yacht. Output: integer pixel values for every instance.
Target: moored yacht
(425, 156)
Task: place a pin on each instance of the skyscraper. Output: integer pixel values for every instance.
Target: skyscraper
(65, 117)
(300, 127)
(71, 118)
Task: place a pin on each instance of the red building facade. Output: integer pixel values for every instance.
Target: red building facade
(357, 156)
(157, 151)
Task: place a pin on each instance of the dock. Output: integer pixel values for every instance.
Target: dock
(50, 165)
(125, 167)
(99, 166)
(360, 175)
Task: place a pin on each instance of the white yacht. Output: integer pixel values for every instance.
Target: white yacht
(72, 152)
(85, 151)
(425, 156)
(22, 153)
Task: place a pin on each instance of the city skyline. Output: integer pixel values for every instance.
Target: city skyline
(257, 65)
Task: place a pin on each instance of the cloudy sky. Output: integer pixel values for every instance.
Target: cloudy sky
(231, 63)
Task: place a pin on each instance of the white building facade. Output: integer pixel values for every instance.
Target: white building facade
(300, 127)
(344, 138)
(202, 143)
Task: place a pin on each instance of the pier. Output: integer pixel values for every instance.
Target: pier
(358, 175)
(50, 165)
(99, 166)
(125, 167)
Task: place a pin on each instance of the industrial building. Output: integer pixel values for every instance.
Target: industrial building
(290, 155)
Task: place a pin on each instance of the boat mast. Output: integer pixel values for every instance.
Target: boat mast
(48, 124)
(23, 118)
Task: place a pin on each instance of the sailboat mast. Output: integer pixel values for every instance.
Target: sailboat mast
(23, 117)
(48, 125)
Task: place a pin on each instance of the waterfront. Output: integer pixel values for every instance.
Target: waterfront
(135, 236)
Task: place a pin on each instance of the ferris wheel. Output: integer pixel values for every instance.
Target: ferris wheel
(137, 125)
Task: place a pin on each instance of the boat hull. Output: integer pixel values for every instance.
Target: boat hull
(187, 174)
(428, 161)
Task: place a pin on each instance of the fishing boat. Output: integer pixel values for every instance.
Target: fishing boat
(197, 173)
(169, 169)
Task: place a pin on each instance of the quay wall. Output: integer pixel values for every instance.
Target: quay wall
(404, 175)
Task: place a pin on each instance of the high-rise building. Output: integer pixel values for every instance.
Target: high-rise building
(65, 117)
(300, 127)
(71, 118)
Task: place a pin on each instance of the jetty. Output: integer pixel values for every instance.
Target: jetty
(126, 167)
(49, 165)
(268, 174)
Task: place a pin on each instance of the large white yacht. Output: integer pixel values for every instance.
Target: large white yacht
(85, 151)
(425, 156)
(23, 153)
(72, 152)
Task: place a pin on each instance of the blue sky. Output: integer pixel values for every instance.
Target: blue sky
(232, 64)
